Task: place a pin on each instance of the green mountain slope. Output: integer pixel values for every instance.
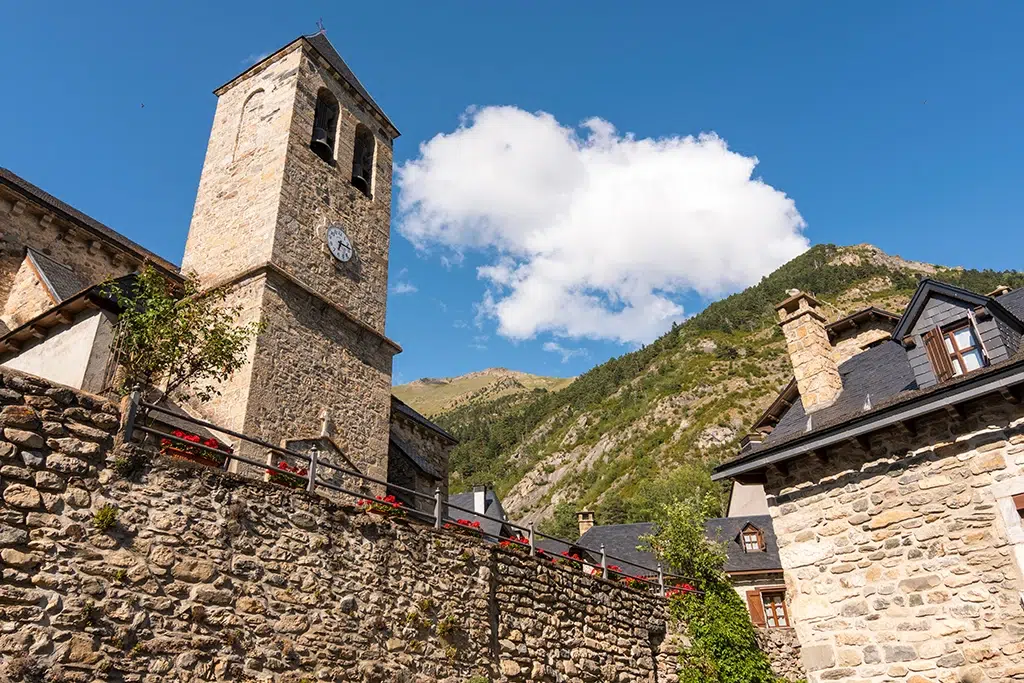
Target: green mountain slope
(432, 396)
(633, 431)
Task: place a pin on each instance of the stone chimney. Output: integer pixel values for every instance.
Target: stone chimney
(810, 352)
(585, 518)
(480, 498)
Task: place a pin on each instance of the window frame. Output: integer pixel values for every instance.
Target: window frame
(766, 594)
(756, 538)
(957, 355)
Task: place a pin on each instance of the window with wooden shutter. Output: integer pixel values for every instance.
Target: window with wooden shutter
(942, 364)
(756, 607)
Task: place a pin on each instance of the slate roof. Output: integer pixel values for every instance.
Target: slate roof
(884, 374)
(620, 542)
(623, 541)
(1013, 302)
(492, 508)
(403, 408)
(415, 458)
(727, 530)
(62, 282)
(15, 181)
(880, 372)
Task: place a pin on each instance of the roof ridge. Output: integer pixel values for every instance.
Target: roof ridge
(104, 231)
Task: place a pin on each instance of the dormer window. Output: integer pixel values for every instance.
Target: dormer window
(752, 539)
(954, 350)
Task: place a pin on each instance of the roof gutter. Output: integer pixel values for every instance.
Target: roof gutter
(1009, 376)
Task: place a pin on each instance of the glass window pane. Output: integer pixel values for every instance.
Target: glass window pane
(973, 360)
(964, 338)
(770, 621)
(949, 345)
(957, 370)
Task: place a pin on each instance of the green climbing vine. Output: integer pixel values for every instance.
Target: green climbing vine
(723, 647)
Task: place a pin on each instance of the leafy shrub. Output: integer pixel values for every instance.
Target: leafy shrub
(105, 518)
(723, 647)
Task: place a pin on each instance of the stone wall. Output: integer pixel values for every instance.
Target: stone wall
(26, 298)
(854, 341)
(26, 223)
(899, 563)
(309, 359)
(783, 650)
(204, 575)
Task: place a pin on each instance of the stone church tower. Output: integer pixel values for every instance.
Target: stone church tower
(293, 215)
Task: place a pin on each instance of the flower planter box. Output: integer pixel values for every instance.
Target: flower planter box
(465, 527)
(201, 456)
(382, 506)
(293, 476)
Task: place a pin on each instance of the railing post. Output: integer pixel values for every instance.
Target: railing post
(604, 563)
(661, 581)
(311, 470)
(437, 507)
(133, 412)
(533, 547)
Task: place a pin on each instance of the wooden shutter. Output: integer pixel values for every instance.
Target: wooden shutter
(755, 607)
(937, 354)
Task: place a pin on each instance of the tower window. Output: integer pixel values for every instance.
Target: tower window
(362, 160)
(325, 125)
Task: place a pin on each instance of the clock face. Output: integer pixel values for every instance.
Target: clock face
(339, 243)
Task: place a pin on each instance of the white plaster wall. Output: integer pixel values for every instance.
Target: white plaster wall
(63, 356)
(747, 500)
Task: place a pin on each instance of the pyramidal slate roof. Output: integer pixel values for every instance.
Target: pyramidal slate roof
(322, 45)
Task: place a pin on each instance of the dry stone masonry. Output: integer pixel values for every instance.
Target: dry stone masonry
(900, 558)
(179, 572)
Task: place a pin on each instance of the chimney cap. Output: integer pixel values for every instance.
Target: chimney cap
(480, 487)
(585, 514)
(799, 304)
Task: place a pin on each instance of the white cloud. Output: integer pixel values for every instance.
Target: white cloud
(402, 287)
(588, 232)
(567, 354)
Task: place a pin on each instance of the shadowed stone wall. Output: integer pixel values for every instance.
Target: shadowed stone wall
(208, 576)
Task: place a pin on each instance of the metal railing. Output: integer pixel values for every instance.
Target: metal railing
(662, 582)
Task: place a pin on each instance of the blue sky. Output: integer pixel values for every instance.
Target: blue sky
(898, 124)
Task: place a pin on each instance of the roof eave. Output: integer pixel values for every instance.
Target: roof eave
(1011, 375)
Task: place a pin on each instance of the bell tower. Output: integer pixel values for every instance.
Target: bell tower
(293, 216)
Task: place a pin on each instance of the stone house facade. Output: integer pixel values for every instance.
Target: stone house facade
(894, 482)
(292, 216)
(752, 565)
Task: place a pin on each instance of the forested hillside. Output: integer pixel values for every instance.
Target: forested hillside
(630, 433)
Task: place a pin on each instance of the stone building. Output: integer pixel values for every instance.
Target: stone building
(292, 215)
(893, 478)
(752, 565)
